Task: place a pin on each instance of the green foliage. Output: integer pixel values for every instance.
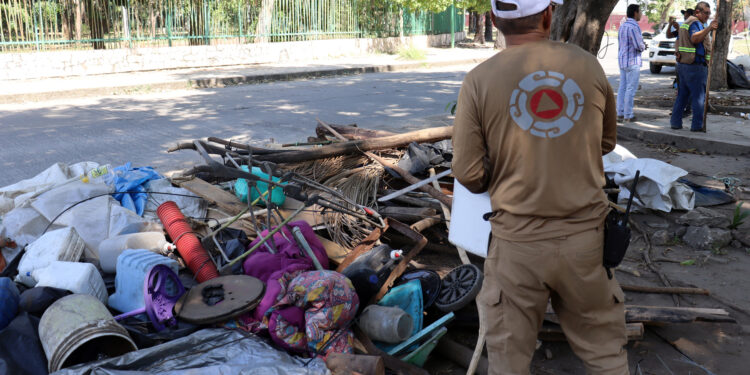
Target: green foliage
(479, 6)
(688, 262)
(452, 106)
(427, 5)
(738, 217)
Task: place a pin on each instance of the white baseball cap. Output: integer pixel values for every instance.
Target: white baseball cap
(523, 7)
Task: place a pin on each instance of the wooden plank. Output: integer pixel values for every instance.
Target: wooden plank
(407, 214)
(225, 200)
(664, 290)
(336, 253)
(553, 332)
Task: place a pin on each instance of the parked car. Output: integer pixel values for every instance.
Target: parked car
(661, 51)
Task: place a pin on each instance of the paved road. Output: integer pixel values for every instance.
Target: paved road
(139, 128)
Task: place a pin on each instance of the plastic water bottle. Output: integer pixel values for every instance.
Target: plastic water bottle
(111, 248)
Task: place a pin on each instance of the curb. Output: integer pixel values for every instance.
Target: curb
(684, 142)
(202, 83)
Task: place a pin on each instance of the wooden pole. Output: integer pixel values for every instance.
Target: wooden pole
(708, 79)
(664, 290)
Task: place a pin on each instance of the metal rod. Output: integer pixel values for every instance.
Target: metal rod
(415, 186)
(306, 247)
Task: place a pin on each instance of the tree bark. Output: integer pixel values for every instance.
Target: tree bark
(96, 12)
(197, 24)
(264, 21)
(582, 22)
(721, 45)
(78, 17)
(488, 27)
(473, 22)
(479, 36)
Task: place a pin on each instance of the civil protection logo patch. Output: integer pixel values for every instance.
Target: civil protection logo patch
(546, 104)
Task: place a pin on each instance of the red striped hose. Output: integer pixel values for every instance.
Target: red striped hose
(188, 245)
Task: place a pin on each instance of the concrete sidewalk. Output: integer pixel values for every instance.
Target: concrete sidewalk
(19, 91)
(725, 134)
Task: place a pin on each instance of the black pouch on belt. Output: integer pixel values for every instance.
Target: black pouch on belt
(617, 233)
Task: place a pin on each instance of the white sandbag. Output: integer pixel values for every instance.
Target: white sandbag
(657, 189)
(59, 245)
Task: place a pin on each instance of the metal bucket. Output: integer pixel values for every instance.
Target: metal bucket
(78, 329)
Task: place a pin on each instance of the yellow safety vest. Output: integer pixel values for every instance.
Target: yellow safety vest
(685, 49)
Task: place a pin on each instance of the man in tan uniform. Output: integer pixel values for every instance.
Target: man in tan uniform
(531, 127)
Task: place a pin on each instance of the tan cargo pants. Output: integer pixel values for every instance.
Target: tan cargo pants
(521, 277)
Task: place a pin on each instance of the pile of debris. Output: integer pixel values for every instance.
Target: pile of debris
(299, 258)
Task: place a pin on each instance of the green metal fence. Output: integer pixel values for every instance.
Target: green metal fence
(107, 24)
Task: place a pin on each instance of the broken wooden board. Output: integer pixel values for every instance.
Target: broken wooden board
(663, 315)
(336, 253)
(407, 214)
(226, 201)
(667, 314)
(553, 332)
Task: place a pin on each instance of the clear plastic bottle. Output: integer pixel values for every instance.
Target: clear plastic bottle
(111, 248)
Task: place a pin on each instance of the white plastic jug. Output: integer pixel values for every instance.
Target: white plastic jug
(111, 248)
(62, 244)
(79, 278)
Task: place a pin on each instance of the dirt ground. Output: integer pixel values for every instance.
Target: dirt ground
(685, 348)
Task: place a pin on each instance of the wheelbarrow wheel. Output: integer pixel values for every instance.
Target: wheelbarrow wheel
(459, 287)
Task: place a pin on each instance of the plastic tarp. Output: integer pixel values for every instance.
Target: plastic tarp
(658, 186)
(190, 207)
(12, 196)
(21, 351)
(206, 352)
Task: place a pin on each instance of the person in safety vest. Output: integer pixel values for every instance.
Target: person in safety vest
(693, 51)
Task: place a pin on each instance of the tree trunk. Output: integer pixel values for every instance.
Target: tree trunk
(582, 22)
(473, 22)
(721, 45)
(479, 36)
(264, 21)
(197, 24)
(665, 12)
(77, 5)
(96, 10)
(488, 27)
(152, 17)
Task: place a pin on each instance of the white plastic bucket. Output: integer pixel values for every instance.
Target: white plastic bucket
(79, 329)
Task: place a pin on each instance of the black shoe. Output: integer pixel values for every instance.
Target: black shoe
(632, 119)
(620, 118)
(686, 114)
(673, 128)
(697, 131)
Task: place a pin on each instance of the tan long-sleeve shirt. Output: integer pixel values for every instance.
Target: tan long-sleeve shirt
(532, 124)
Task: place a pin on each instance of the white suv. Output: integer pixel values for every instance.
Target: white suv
(661, 51)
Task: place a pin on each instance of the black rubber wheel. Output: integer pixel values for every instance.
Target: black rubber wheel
(459, 287)
(654, 68)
